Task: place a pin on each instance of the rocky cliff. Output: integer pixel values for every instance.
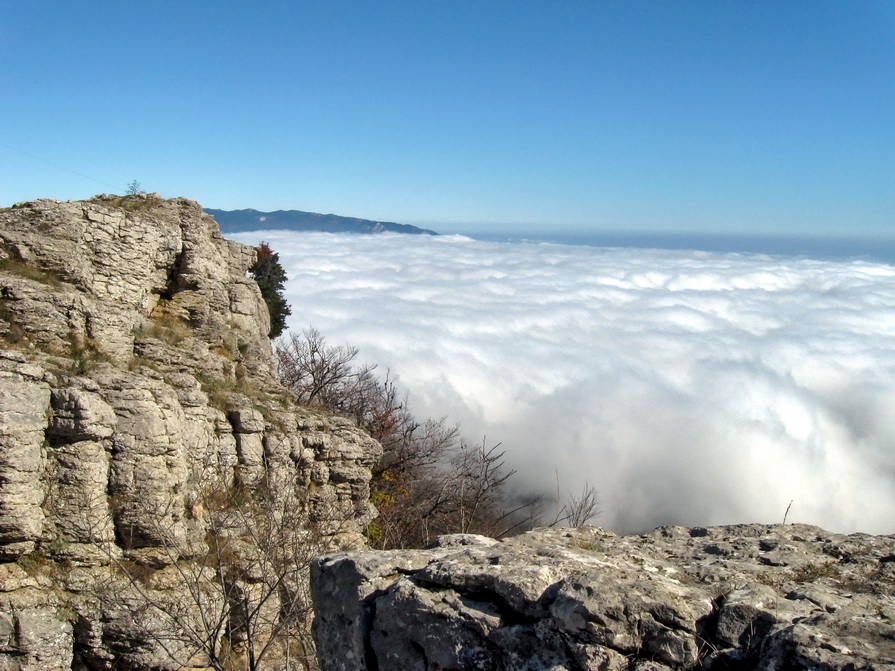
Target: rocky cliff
(745, 597)
(137, 398)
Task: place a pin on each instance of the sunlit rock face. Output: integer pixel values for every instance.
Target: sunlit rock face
(743, 597)
(134, 369)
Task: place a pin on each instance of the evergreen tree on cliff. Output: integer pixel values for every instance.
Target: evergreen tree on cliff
(271, 278)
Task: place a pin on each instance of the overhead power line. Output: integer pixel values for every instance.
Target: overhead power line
(61, 167)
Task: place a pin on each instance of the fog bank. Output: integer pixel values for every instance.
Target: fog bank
(690, 387)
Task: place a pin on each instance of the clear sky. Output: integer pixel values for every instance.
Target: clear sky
(745, 117)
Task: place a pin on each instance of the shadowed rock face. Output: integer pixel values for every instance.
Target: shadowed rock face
(133, 361)
(740, 597)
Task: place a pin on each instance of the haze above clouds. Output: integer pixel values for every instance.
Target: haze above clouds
(691, 388)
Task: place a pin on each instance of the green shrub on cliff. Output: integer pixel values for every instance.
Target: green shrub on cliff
(271, 278)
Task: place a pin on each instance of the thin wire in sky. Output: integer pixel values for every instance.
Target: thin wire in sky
(61, 167)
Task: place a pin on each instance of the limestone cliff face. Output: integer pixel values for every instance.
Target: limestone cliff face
(744, 597)
(134, 359)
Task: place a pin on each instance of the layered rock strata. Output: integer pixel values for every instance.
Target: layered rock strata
(134, 368)
(742, 597)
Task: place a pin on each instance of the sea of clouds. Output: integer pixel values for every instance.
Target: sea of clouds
(690, 388)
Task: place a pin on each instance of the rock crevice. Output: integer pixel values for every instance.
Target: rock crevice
(134, 362)
(741, 597)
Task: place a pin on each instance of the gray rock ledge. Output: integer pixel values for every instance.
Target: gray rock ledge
(736, 597)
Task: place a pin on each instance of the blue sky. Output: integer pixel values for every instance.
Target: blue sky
(701, 117)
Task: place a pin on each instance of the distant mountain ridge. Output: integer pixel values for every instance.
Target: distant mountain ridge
(234, 221)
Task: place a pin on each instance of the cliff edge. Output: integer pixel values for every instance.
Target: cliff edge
(775, 598)
(140, 424)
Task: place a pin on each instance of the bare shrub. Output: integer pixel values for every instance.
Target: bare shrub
(579, 508)
(429, 480)
(237, 598)
(317, 373)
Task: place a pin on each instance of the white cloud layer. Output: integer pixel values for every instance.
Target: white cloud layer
(691, 388)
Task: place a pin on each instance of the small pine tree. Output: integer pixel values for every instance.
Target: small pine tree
(271, 279)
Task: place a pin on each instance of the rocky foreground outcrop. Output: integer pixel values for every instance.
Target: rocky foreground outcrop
(740, 597)
(139, 420)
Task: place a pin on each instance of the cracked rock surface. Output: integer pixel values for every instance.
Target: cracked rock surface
(134, 360)
(736, 597)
